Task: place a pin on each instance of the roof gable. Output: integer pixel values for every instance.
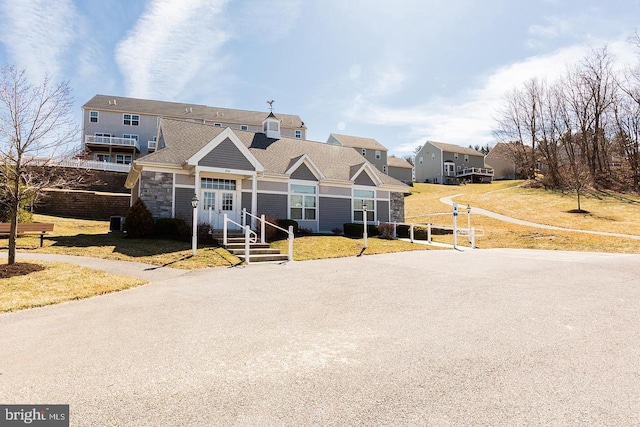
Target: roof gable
(364, 174)
(302, 167)
(356, 142)
(225, 142)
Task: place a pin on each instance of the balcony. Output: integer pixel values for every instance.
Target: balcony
(475, 171)
(111, 141)
(152, 145)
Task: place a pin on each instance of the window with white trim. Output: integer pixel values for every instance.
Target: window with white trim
(455, 156)
(420, 160)
(364, 151)
(298, 134)
(131, 119)
(378, 154)
(244, 127)
(303, 201)
(217, 125)
(93, 116)
(123, 159)
(102, 158)
(363, 198)
(384, 168)
(466, 157)
(218, 184)
(433, 156)
(129, 136)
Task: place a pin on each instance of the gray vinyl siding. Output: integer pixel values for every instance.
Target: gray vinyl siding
(184, 179)
(303, 172)
(326, 190)
(401, 174)
(383, 211)
(334, 213)
(182, 205)
(112, 122)
(246, 202)
(431, 168)
(273, 186)
(363, 179)
(274, 204)
(226, 155)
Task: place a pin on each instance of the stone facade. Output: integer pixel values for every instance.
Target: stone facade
(397, 207)
(156, 192)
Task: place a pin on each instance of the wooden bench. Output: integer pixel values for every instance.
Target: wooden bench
(40, 228)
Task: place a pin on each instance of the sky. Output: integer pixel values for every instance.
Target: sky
(401, 71)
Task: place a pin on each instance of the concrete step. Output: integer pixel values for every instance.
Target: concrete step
(265, 258)
(254, 251)
(251, 246)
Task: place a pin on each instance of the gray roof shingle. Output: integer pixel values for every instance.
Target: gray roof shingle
(453, 148)
(359, 142)
(397, 162)
(186, 111)
(184, 139)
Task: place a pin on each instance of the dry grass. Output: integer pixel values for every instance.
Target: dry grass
(56, 283)
(321, 247)
(610, 213)
(92, 238)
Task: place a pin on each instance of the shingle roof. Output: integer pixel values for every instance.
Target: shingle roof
(184, 111)
(359, 142)
(397, 162)
(453, 148)
(184, 139)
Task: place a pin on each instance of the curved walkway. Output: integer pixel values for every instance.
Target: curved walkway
(449, 201)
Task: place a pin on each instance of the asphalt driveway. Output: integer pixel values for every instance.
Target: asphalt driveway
(485, 337)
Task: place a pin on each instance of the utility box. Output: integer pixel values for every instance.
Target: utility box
(116, 224)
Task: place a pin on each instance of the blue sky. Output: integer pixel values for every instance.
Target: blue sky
(399, 71)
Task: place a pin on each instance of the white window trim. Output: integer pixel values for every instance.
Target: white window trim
(420, 160)
(131, 119)
(244, 127)
(291, 193)
(374, 199)
(91, 117)
(364, 152)
(384, 169)
(455, 156)
(217, 125)
(298, 134)
(378, 154)
(130, 136)
(466, 157)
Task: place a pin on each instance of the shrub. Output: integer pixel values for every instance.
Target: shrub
(205, 233)
(271, 233)
(139, 221)
(386, 231)
(285, 223)
(305, 231)
(173, 228)
(356, 230)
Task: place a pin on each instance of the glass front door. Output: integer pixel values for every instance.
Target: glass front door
(215, 204)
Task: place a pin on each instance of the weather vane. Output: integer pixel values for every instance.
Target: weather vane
(271, 105)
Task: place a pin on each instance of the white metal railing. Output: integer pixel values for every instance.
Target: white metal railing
(112, 140)
(263, 224)
(152, 145)
(80, 164)
(247, 237)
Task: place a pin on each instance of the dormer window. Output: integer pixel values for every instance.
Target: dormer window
(298, 134)
(244, 127)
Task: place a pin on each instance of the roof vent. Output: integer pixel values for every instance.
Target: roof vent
(115, 102)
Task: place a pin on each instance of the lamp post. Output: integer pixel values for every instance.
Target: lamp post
(364, 218)
(469, 222)
(194, 238)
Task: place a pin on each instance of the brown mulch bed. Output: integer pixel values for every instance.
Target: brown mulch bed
(18, 269)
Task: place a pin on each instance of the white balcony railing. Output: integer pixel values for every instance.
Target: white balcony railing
(476, 171)
(112, 140)
(79, 164)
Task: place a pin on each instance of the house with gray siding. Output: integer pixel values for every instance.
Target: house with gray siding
(319, 185)
(441, 163)
(400, 169)
(117, 129)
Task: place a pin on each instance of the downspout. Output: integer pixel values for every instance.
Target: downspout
(254, 199)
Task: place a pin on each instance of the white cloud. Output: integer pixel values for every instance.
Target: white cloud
(554, 27)
(171, 44)
(388, 82)
(469, 118)
(37, 34)
(269, 20)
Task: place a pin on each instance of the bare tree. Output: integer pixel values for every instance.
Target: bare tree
(519, 122)
(35, 124)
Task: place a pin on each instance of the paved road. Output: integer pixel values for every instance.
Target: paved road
(491, 337)
(449, 201)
